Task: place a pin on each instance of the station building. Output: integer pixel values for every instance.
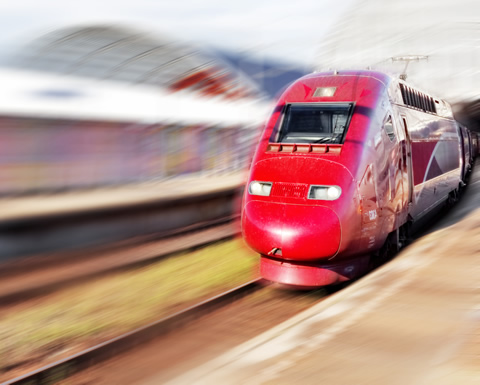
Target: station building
(100, 105)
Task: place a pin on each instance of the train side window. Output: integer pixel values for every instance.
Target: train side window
(388, 125)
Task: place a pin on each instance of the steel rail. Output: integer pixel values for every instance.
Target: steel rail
(66, 367)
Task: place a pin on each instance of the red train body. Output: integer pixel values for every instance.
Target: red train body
(346, 161)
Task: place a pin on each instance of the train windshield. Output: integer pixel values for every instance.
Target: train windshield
(314, 123)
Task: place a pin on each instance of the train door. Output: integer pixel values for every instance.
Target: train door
(470, 152)
(462, 153)
(406, 149)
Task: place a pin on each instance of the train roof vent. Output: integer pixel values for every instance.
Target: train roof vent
(417, 99)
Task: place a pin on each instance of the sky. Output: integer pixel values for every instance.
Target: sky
(281, 29)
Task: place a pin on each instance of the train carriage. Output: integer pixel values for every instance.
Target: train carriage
(347, 162)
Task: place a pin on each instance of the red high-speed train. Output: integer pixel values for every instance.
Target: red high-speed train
(347, 162)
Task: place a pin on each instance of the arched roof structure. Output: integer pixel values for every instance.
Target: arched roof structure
(121, 54)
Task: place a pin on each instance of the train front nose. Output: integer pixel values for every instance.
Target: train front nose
(291, 231)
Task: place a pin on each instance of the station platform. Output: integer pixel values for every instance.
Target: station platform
(415, 320)
(39, 225)
(75, 201)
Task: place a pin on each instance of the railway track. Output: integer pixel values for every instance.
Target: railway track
(33, 277)
(171, 355)
(67, 367)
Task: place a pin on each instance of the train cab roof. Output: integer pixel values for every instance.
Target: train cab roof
(364, 88)
(344, 86)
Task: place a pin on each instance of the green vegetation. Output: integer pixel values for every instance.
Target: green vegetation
(94, 311)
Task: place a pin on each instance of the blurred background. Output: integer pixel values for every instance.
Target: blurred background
(116, 92)
(123, 92)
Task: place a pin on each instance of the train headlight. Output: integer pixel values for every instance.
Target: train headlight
(326, 193)
(260, 188)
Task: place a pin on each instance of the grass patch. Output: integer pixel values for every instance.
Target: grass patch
(115, 304)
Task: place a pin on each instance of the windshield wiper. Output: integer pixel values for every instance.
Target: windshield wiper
(322, 140)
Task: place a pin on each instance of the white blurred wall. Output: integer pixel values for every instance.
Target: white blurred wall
(371, 32)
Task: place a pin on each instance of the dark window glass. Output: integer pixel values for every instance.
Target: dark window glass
(389, 128)
(404, 96)
(417, 99)
(314, 123)
(410, 97)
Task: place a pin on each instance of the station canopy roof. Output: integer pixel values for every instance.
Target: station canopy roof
(121, 54)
